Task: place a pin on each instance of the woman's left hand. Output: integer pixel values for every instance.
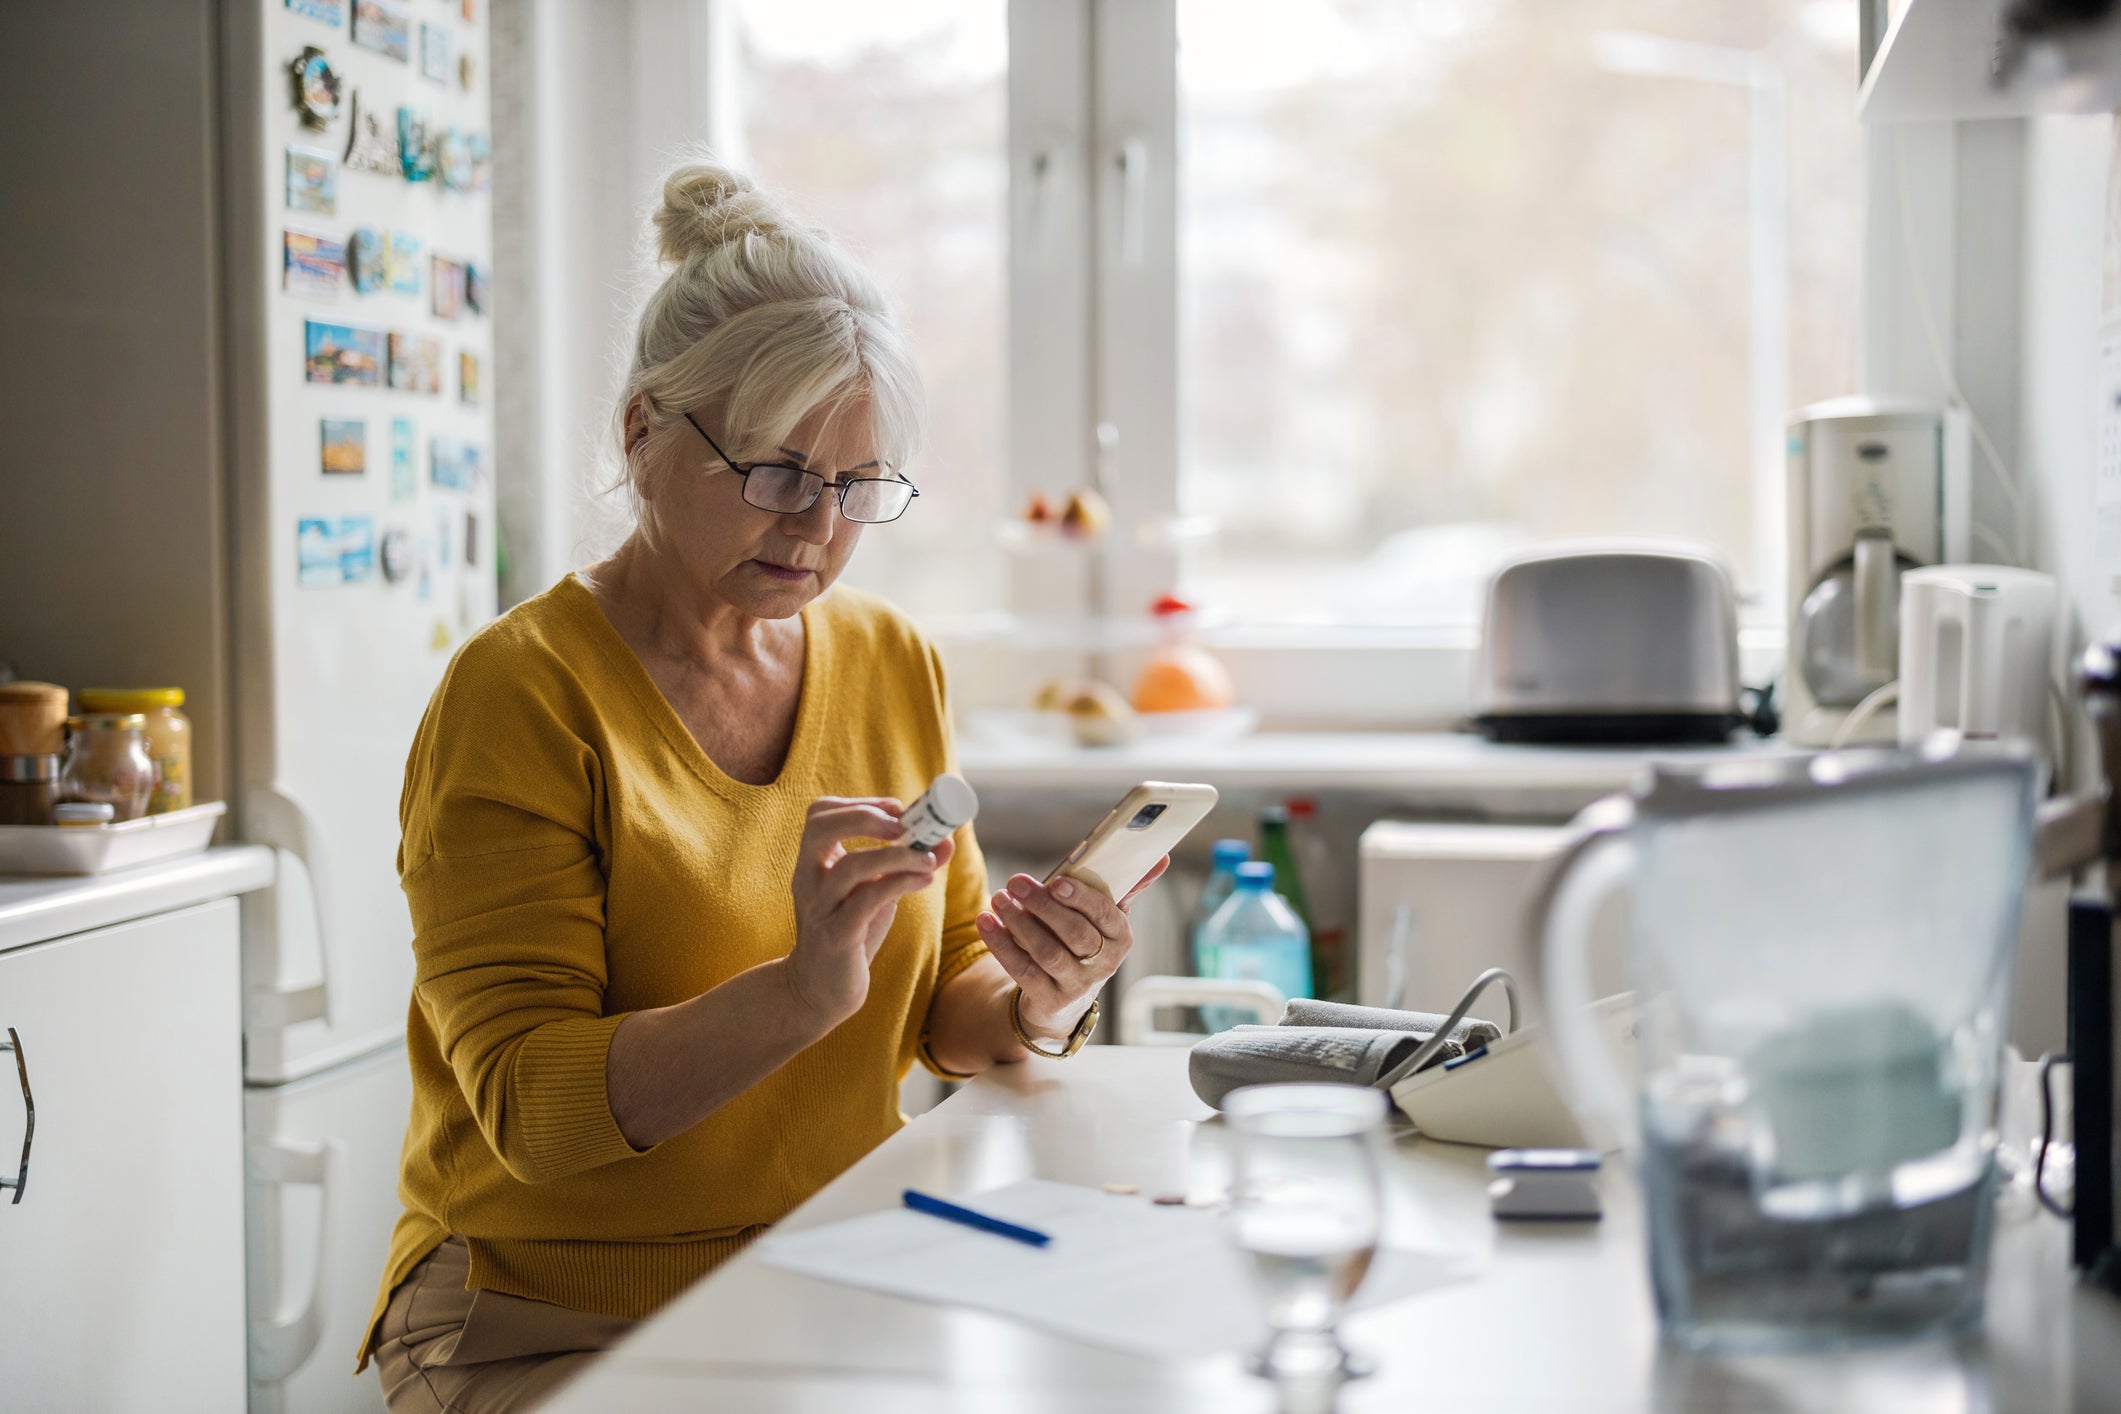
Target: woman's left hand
(1059, 944)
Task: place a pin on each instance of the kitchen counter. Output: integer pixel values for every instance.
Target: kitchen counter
(1455, 772)
(36, 908)
(1560, 1319)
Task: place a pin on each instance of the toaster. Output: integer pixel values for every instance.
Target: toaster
(1633, 642)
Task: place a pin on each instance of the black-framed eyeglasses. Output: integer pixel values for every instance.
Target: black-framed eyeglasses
(791, 490)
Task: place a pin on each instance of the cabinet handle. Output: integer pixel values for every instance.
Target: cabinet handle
(29, 1114)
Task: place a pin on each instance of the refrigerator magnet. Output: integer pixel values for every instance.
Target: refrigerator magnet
(471, 539)
(312, 180)
(404, 476)
(464, 72)
(345, 443)
(471, 12)
(401, 258)
(397, 554)
(415, 363)
(342, 353)
(333, 551)
(481, 161)
(434, 53)
(370, 147)
(366, 266)
(446, 288)
(453, 464)
(313, 263)
(416, 145)
(438, 640)
(467, 378)
(383, 27)
(424, 590)
(327, 12)
(445, 534)
(317, 87)
(453, 156)
(478, 294)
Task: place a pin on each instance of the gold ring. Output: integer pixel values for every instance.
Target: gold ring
(1101, 941)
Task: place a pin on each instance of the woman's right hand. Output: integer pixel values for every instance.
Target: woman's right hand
(845, 899)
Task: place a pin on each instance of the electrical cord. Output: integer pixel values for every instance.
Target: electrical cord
(1862, 712)
(2047, 1133)
(1442, 1038)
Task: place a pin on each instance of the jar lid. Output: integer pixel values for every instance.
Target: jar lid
(129, 699)
(81, 812)
(107, 722)
(38, 692)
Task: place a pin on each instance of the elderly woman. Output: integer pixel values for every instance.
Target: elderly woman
(673, 958)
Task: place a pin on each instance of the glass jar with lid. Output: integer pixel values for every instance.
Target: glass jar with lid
(107, 763)
(168, 736)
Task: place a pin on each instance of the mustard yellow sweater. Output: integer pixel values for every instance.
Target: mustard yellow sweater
(571, 855)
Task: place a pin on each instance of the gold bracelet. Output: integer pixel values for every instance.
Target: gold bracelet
(1075, 1041)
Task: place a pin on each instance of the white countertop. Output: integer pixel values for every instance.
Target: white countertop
(1561, 1320)
(33, 909)
(1388, 761)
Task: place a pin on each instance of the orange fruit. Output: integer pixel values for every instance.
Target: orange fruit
(1183, 679)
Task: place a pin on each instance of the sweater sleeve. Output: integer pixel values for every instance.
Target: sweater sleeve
(506, 885)
(965, 885)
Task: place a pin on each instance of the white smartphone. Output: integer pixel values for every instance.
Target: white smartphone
(1146, 825)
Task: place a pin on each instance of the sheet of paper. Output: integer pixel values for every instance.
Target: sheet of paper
(1121, 1272)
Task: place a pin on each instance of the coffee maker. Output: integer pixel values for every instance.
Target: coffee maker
(1877, 487)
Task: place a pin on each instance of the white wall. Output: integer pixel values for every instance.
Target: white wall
(592, 100)
(2065, 216)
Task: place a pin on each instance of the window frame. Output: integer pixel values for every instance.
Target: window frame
(1092, 285)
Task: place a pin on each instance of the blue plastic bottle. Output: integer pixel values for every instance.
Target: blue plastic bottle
(1255, 936)
(1222, 882)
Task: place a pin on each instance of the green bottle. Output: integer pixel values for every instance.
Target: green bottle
(1276, 849)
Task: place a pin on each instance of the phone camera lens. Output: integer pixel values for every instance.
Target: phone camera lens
(1145, 817)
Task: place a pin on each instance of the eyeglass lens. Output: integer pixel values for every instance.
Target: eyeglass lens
(791, 491)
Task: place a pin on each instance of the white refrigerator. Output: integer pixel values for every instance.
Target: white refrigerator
(351, 589)
(247, 450)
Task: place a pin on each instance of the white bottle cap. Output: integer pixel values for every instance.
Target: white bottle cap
(952, 799)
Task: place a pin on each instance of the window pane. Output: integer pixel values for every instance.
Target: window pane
(887, 126)
(1463, 273)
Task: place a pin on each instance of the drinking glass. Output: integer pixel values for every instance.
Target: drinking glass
(1305, 1204)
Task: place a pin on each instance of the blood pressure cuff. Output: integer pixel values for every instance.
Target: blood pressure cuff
(1315, 1045)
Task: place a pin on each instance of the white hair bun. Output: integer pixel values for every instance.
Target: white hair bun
(707, 206)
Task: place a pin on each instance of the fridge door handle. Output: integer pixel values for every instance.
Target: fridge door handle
(274, 818)
(29, 1113)
(282, 1344)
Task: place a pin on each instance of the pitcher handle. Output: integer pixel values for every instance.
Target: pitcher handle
(1556, 948)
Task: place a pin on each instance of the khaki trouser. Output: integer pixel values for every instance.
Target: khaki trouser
(441, 1349)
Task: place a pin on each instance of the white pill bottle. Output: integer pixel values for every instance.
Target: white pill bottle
(942, 808)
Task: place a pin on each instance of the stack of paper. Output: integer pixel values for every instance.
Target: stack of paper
(1120, 1272)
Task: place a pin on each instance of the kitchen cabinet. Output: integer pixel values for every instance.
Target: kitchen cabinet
(121, 1258)
(1937, 60)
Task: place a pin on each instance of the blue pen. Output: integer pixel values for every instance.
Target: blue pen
(937, 1208)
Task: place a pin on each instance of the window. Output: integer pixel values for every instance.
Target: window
(1377, 289)
(1454, 276)
(886, 124)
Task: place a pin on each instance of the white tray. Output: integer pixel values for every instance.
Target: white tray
(95, 849)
